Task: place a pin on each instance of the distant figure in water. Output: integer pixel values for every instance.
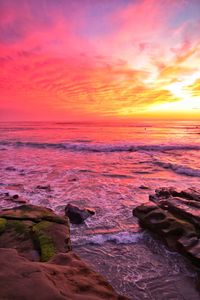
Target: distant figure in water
(145, 128)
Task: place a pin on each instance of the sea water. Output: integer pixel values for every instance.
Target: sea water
(111, 168)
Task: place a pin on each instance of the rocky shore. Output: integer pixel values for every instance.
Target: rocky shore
(36, 257)
(174, 216)
(37, 261)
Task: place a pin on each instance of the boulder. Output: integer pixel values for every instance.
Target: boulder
(63, 277)
(32, 213)
(37, 233)
(174, 216)
(37, 262)
(184, 204)
(77, 215)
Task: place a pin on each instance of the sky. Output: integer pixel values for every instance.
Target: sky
(94, 60)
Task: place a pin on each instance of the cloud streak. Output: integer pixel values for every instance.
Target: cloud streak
(101, 60)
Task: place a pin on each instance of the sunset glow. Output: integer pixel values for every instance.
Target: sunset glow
(75, 60)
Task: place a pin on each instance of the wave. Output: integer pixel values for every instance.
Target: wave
(16, 129)
(84, 146)
(179, 169)
(99, 239)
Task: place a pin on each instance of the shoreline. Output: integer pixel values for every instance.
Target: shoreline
(36, 251)
(21, 224)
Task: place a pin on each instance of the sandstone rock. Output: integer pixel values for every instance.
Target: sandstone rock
(29, 237)
(190, 194)
(174, 216)
(32, 213)
(35, 232)
(64, 277)
(77, 215)
(184, 204)
(51, 238)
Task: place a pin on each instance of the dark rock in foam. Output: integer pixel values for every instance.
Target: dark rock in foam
(143, 187)
(77, 215)
(44, 187)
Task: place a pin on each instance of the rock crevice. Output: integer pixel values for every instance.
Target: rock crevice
(175, 216)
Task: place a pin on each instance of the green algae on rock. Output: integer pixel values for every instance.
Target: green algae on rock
(35, 252)
(43, 240)
(2, 225)
(37, 233)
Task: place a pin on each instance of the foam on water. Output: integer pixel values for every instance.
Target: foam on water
(100, 147)
(99, 239)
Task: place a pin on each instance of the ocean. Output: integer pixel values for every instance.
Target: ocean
(111, 168)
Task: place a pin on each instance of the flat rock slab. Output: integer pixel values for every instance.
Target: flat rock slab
(175, 216)
(33, 213)
(36, 233)
(64, 277)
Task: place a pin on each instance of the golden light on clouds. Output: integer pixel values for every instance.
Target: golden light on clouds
(63, 60)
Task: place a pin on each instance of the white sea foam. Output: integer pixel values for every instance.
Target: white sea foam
(100, 147)
(124, 237)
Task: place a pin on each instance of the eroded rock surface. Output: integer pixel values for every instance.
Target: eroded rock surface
(175, 216)
(63, 277)
(37, 233)
(36, 261)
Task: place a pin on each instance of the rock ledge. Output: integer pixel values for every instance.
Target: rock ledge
(175, 216)
(37, 262)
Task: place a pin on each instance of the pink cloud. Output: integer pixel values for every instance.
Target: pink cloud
(50, 56)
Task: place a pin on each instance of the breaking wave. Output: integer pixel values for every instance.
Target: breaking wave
(179, 169)
(84, 146)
